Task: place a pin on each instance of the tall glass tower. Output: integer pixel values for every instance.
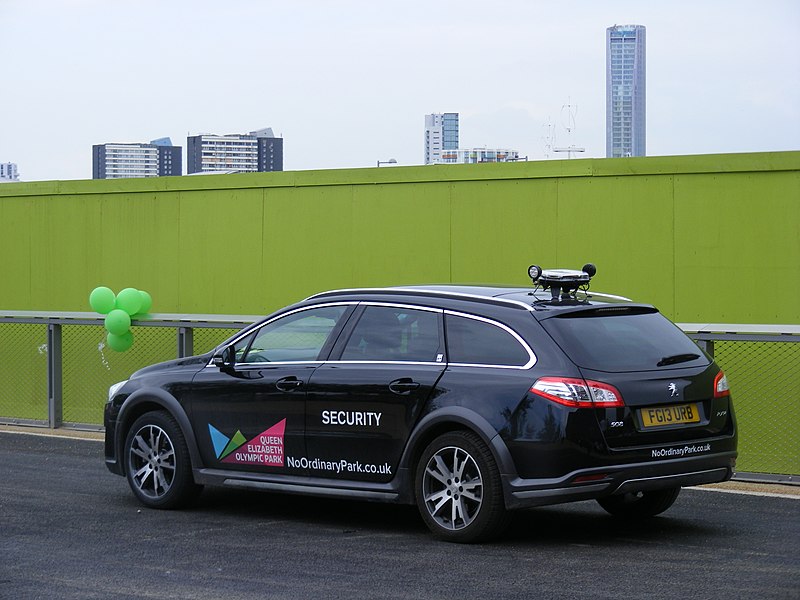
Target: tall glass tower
(441, 133)
(625, 91)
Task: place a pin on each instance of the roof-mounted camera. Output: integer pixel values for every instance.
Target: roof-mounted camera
(562, 283)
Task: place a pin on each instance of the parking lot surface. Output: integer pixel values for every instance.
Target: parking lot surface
(70, 529)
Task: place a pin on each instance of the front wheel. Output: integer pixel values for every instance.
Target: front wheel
(637, 505)
(458, 490)
(157, 462)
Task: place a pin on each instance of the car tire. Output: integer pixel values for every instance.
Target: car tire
(458, 489)
(157, 463)
(640, 505)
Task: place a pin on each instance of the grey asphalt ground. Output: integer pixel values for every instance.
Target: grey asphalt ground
(71, 529)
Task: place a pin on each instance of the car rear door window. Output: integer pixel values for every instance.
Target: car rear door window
(477, 341)
(389, 333)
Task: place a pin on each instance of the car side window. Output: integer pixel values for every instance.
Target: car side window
(477, 342)
(385, 333)
(296, 337)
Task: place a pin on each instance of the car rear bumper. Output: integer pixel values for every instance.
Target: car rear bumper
(589, 484)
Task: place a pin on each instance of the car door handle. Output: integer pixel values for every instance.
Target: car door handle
(403, 386)
(288, 384)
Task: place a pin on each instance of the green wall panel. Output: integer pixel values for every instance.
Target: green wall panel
(133, 245)
(499, 228)
(16, 231)
(737, 247)
(400, 234)
(219, 251)
(624, 225)
(705, 238)
(307, 246)
(58, 247)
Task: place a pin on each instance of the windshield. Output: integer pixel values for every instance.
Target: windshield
(619, 341)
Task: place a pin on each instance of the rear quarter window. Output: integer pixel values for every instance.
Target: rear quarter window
(478, 342)
(620, 341)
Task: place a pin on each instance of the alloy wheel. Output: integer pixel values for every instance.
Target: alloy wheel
(151, 461)
(452, 488)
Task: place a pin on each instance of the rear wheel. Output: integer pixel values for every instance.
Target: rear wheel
(157, 462)
(458, 489)
(638, 505)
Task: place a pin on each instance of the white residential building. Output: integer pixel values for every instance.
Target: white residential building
(477, 155)
(441, 133)
(253, 152)
(159, 158)
(8, 172)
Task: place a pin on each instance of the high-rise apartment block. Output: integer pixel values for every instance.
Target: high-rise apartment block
(256, 151)
(8, 172)
(441, 133)
(159, 158)
(625, 91)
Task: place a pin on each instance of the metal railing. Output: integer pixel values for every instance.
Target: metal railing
(762, 363)
(62, 357)
(55, 370)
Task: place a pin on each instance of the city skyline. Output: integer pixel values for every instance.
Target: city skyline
(345, 84)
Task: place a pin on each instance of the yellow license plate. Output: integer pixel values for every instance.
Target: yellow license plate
(670, 415)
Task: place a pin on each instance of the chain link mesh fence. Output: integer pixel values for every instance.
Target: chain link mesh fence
(23, 372)
(206, 339)
(89, 366)
(764, 377)
(765, 386)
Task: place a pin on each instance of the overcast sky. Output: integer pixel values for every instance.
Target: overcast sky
(348, 82)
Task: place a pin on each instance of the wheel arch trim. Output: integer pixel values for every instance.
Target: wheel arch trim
(158, 397)
(452, 418)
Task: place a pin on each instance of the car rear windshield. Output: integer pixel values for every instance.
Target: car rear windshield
(620, 340)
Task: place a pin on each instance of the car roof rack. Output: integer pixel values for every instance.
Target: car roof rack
(431, 291)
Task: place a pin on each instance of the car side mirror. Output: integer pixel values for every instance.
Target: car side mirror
(226, 359)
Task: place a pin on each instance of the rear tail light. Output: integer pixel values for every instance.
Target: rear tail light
(721, 388)
(579, 393)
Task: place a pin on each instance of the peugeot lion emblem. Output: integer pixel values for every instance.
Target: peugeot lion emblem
(673, 390)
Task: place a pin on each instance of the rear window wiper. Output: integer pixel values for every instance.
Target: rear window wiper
(678, 358)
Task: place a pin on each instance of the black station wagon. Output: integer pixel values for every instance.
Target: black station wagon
(469, 401)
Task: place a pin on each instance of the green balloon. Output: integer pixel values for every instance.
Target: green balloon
(147, 302)
(117, 322)
(120, 343)
(102, 300)
(129, 300)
